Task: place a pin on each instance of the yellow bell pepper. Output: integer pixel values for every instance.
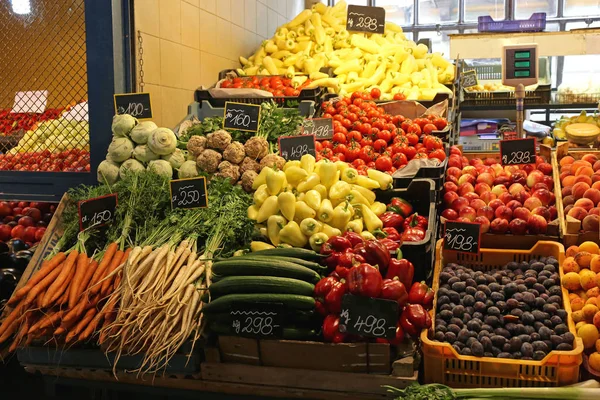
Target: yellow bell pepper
(291, 234)
(258, 246)
(349, 175)
(325, 212)
(356, 225)
(366, 235)
(263, 230)
(307, 162)
(310, 182)
(287, 204)
(367, 183)
(300, 196)
(268, 208)
(295, 175)
(275, 182)
(330, 231)
(322, 190)
(260, 195)
(355, 197)
(339, 190)
(310, 226)
(289, 164)
(327, 171)
(385, 180)
(378, 208)
(316, 241)
(372, 221)
(300, 19)
(274, 225)
(313, 199)
(303, 211)
(341, 166)
(341, 216)
(253, 212)
(261, 179)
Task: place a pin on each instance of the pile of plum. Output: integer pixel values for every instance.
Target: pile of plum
(512, 312)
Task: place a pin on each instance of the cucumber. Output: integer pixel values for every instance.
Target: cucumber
(305, 263)
(260, 284)
(290, 301)
(288, 333)
(250, 267)
(291, 252)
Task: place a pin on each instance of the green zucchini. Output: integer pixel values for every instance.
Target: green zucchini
(260, 284)
(291, 252)
(250, 267)
(290, 301)
(288, 333)
(305, 263)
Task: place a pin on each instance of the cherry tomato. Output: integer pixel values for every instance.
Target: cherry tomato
(383, 163)
(375, 93)
(399, 96)
(339, 137)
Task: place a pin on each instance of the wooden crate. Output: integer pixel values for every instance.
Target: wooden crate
(570, 227)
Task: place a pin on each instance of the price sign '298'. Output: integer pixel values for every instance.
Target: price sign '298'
(257, 320)
(365, 19)
(518, 151)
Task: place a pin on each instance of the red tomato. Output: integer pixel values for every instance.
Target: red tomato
(352, 117)
(326, 144)
(353, 151)
(399, 96)
(397, 148)
(358, 162)
(318, 146)
(440, 154)
(327, 152)
(399, 159)
(379, 144)
(421, 122)
(354, 135)
(383, 163)
(226, 84)
(384, 135)
(434, 143)
(455, 150)
(397, 120)
(440, 123)
(412, 138)
(428, 129)
(406, 124)
(340, 149)
(414, 128)
(366, 141)
(365, 128)
(346, 123)
(400, 138)
(379, 125)
(375, 93)
(409, 152)
(420, 155)
(339, 137)
(367, 153)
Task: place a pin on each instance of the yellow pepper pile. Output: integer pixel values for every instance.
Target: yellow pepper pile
(308, 202)
(318, 38)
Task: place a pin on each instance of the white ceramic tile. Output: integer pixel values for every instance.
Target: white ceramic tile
(224, 8)
(170, 20)
(195, 3)
(190, 68)
(190, 26)
(209, 5)
(282, 7)
(151, 58)
(237, 42)
(294, 7)
(173, 110)
(262, 16)
(280, 20)
(249, 43)
(210, 67)
(273, 4)
(223, 33)
(272, 22)
(237, 12)
(208, 27)
(146, 16)
(156, 99)
(250, 15)
(170, 63)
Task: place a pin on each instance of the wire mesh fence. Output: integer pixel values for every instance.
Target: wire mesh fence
(43, 86)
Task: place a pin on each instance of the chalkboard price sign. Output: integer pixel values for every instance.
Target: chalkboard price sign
(469, 78)
(368, 316)
(322, 128)
(97, 212)
(517, 151)
(294, 147)
(189, 193)
(257, 320)
(365, 19)
(462, 236)
(135, 104)
(241, 116)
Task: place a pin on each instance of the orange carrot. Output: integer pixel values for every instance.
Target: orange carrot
(107, 283)
(91, 269)
(36, 326)
(84, 304)
(108, 256)
(9, 324)
(115, 260)
(84, 322)
(19, 337)
(87, 332)
(82, 263)
(47, 267)
(42, 285)
(49, 322)
(58, 287)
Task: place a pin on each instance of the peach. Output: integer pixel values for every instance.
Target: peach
(545, 196)
(481, 188)
(591, 158)
(594, 211)
(537, 224)
(589, 171)
(568, 180)
(591, 223)
(545, 167)
(564, 174)
(465, 188)
(583, 259)
(568, 200)
(567, 191)
(534, 177)
(569, 265)
(577, 213)
(466, 178)
(486, 177)
(595, 178)
(471, 170)
(584, 203)
(587, 279)
(532, 202)
(579, 163)
(593, 293)
(579, 189)
(506, 197)
(577, 304)
(572, 250)
(488, 196)
(589, 310)
(499, 189)
(593, 195)
(596, 165)
(596, 321)
(592, 300)
(595, 263)
(588, 334)
(583, 178)
(568, 208)
(566, 160)
(471, 196)
(590, 247)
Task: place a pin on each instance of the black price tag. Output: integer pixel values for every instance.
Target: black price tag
(294, 147)
(368, 316)
(257, 320)
(322, 128)
(517, 151)
(241, 116)
(97, 212)
(188, 193)
(469, 79)
(462, 236)
(135, 104)
(366, 19)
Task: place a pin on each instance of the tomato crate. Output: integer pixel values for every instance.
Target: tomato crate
(413, 170)
(442, 364)
(421, 194)
(314, 95)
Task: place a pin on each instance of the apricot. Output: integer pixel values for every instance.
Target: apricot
(591, 223)
(596, 166)
(588, 334)
(593, 195)
(579, 189)
(590, 247)
(572, 296)
(578, 213)
(566, 160)
(596, 319)
(594, 211)
(596, 185)
(577, 304)
(594, 361)
(588, 171)
(591, 158)
(579, 163)
(592, 300)
(581, 293)
(568, 180)
(577, 316)
(572, 250)
(589, 310)
(564, 174)
(593, 292)
(583, 259)
(595, 178)
(583, 179)
(570, 265)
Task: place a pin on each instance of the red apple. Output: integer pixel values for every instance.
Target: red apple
(495, 204)
(499, 189)
(506, 197)
(5, 232)
(452, 179)
(542, 211)
(499, 225)
(501, 180)
(453, 171)
(471, 170)
(449, 197)
(481, 188)
(450, 187)
(554, 213)
(484, 222)
(455, 150)
(487, 212)
(503, 212)
(528, 168)
(532, 203)
(471, 196)
(514, 204)
(518, 226)
(488, 196)
(486, 177)
(521, 213)
(537, 224)
(545, 168)
(17, 232)
(519, 176)
(459, 204)
(39, 234)
(539, 160)
(477, 204)
(544, 195)
(465, 188)
(449, 214)
(455, 161)
(549, 182)
(462, 219)
(466, 178)
(497, 168)
(29, 234)
(515, 189)
(522, 196)
(535, 177)
(540, 185)
(8, 219)
(468, 213)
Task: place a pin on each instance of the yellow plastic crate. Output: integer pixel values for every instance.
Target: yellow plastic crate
(442, 364)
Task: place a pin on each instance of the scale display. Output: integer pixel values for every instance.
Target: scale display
(520, 65)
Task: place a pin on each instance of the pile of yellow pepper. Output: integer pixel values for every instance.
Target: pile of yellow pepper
(308, 202)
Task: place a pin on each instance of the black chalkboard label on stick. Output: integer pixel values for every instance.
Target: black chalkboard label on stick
(189, 193)
(257, 320)
(97, 212)
(294, 147)
(517, 151)
(469, 78)
(137, 105)
(368, 316)
(322, 128)
(462, 236)
(365, 19)
(241, 116)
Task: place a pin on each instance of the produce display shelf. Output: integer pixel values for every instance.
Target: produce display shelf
(435, 173)
(314, 95)
(532, 106)
(541, 95)
(442, 364)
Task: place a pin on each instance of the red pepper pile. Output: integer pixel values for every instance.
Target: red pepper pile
(400, 223)
(13, 122)
(279, 86)
(73, 160)
(366, 136)
(367, 268)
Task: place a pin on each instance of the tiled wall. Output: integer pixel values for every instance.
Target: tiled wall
(187, 42)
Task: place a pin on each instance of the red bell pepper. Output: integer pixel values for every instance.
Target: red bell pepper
(342, 271)
(390, 244)
(415, 234)
(339, 243)
(393, 289)
(374, 253)
(332, 261)
(397, 339)
(392, 234)
(417, 292)
(354, 238)
(417, 316)
(324, 286)
(321, 308)
(428, 299)
(326, 249)
(403, 269)
(408, 326)
(331, 329)
(333, 299)
(346, 259)
(416, 220)
(364, 280)
(400, 206)
(391, 220)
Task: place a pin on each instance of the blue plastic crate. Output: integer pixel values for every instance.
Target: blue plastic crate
(535, 23)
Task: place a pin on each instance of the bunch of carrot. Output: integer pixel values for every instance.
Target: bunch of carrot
(65, 299)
